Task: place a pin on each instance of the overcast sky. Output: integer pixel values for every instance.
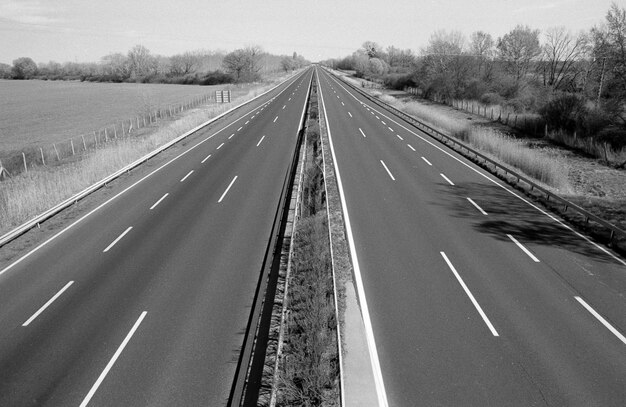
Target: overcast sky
(86, 30)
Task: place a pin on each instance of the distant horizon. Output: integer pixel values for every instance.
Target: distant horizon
(86, 31)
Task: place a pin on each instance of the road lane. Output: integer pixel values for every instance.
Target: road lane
(190, 262)
(434, 347)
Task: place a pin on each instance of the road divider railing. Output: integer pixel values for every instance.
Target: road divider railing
(249, 370)
(481, 158)
(37, 220)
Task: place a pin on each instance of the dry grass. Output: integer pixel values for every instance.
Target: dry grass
(25, 196)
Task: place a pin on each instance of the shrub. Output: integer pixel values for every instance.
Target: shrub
(491, 98)
(614, 137)
(398, 81)
(563, 112)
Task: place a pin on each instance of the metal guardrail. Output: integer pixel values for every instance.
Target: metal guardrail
(244, 390)
(461, 147)
(37, 220)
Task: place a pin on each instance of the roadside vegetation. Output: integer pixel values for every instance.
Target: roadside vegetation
(568, 86)
(308, 374)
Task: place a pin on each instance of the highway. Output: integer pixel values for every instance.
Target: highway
(144, 301)
(472, 295)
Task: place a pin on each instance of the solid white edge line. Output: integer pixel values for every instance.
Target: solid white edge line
(521, 246)
(427, 162)
(447, 179)
(205, 158)
(186, 176)
(477, 207)
(388, 172)
(449, 154)
(260, 141)
(411, 147)
(159, 201)
(471, 297)
(362, 132)
(602, 320)
(109, 365)
(226, 191)
(47, 304)
(113, 243)
(369, 331)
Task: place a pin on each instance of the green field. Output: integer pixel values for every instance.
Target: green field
(34, 113)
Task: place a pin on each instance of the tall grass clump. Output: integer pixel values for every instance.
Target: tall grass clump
(532, 162)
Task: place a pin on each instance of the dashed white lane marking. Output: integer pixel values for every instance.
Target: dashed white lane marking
(276, 118)
(247, 121)
(427, 162)
(289, 98)
(47, 304)
(109, 365)
(185, 177)
(384, 124)
(397, 135)
(377, 117)
(220, 146)
(205, 158)
(350, 114)
(362, 132)
(521, 246)
(284, 106)
(602, 320)
(411, 147)
(342, 104)
(260, 141)
(227, 189)
(117, 240)
(159, 201)
(337, 96)
(231, 136)
(239, 129)
(447, 179)
(469, 294)
(388, 172)
(477, 207)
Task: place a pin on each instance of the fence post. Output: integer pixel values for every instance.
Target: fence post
(56, 151)
(507, 118)
(72, 144)
(106, 136)
(515, 122)
(25, 167)
(95, 138)
(546, 131)
(84, 144)
(43, 160)
(492, 113)
(115, 131)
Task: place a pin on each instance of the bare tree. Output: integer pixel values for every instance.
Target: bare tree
(372, 49)
(184, 64)
(140, 61)
(244, 63)
(561, 53)
(481, 47)
(116, 65)
(518, 49)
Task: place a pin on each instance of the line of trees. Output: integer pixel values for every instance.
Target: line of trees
(140, 65)
(576, 81)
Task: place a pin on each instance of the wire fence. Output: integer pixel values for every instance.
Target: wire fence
(21, 161)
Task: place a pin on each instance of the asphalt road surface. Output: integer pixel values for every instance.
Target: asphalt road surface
(144, 302)
(475, 297)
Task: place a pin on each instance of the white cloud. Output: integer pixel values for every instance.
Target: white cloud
(27, 12)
